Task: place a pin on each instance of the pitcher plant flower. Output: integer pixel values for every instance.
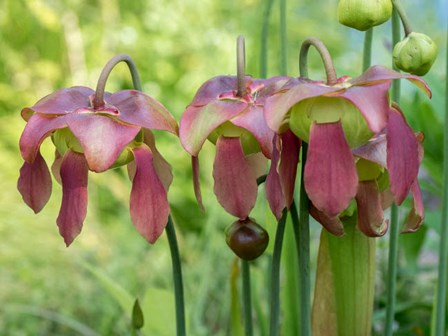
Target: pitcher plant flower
(97, 131)
(336, 117)
(228, 111)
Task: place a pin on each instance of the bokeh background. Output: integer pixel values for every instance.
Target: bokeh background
(89, 288)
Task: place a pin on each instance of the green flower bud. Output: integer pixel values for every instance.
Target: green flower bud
(415, 54)
(364, 14)
(227, 129)
(247, 239)
(328, 109)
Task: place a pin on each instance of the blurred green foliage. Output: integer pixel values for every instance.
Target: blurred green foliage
(46, 289)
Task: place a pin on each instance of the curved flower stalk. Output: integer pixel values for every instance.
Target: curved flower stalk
(97, 132)
(334, 118)
(228, 111)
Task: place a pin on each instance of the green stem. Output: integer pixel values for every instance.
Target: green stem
(274, 329)
(393, 228)
(177, 277)
(443, 251)
(241, 66)
(283, 40)
(264, 39)
(367, 53)
(324, 54)
(404, 19)
(98, 101)
(247, 301)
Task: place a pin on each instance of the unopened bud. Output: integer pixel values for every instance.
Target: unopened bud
(247, 239)
(364, 14)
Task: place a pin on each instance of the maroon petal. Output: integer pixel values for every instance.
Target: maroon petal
(330, 172)
(149, 203)
(235, 183)
(372, 101)
(289, 159)
(34, 183)
(258, 163)
(273, 188)
(374, 150)
(402, 155)
(213, 88)
(139, 109)
(370, 212)
(417, 214)
(332, 224)
(196, 181)
(198, 122)
(74, 171)
(61, 102)
(101, 137)
(163, 168)
(56, 167)
(36, 130)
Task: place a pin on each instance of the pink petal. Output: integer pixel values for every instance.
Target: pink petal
(289, 159)
(213, 88)
(375, 150)
(330, 172)
(149, 203)
(235, 183)
(139, 109)
(34, 183)
(252, 119)
(332, 224)
(378, 73)
(56, 167)
(402, 155)
(372, 101)
(61, 102)
(196, 181)
(278, 105)
(370, 212)
(258, 163)
(36, 130)
(417, 214)
(198, 122)
(101, 137)
(73, 211)
(162, 167)
(273, 188)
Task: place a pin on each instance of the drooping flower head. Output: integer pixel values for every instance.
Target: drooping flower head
(97, 133)
(336, 117)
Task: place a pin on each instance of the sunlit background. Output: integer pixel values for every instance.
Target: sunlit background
(89, 288)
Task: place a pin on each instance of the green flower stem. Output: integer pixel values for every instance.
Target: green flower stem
(98, 101)
(324, 54)
(264, 39)
(367, 53)
(177, 277)
(443, 251)
(393, 227)
(404, 19)
(283, 40)
(247, 301)
(274, 328)
(241, 66)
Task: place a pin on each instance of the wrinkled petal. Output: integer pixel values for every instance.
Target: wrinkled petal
(36, 130)
(374, 150)
(56, 167)
(273, 188)
(387, 198)
(34, 183)
(417, 214)
(370, 212)
(196, 181)
(402, 155)
(61, 102)
(136, 108)
(372, 101)
(378, 73)
(332, 224)
(235, 183)
(289, 159)
(149, 203)
(101, 137)
(74, 171)
(198, 122)
(330, 173)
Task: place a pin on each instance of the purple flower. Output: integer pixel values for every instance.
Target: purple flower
(86, 138)
(334, 120)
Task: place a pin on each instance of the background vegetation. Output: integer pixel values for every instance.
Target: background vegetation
(88, 289)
